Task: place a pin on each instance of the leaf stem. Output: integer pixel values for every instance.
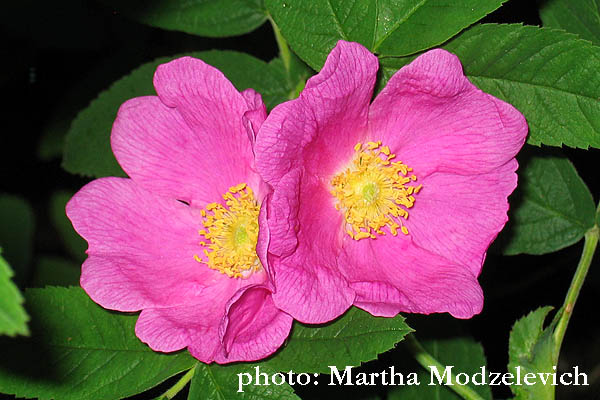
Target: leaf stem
(427, 361)
(589, 247)
(176, 388)
(284, 50)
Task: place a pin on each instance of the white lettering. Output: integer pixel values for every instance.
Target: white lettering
(413, 379)
(304, 376)
(447, 373)
(508, 375)
(578, 374)
(494, 378)
(479, 374)
(347, 376)
(528, 376)
(241, 382)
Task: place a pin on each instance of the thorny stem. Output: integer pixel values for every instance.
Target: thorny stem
(589, 247)
(176, 388)
(427, 361)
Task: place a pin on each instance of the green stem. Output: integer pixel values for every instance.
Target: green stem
(284, 50)
(589, 247)
(427, 361)
(176, 388)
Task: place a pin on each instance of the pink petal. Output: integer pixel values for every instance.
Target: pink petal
(308, 283)
(256, 114)
(319, 129)
(194, 326)
(161, 151)
(457, 216)
(435, 120)
(253, 327)
(282, 219)
(246, 327)
(141, 247)
(392, 275)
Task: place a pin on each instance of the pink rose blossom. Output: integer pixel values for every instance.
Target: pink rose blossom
(179, 240)
(389, 205)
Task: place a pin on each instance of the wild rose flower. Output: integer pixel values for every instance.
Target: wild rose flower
(178, 240)
(392, 205)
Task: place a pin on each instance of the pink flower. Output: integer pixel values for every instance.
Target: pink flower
(178, 240)
(389, 205)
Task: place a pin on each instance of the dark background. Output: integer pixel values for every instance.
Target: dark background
(57, 57)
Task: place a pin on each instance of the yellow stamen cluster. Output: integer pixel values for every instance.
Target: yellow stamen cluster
(231, 233)
(373, 192)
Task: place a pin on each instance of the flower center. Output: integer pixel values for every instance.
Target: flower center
(231, 233)
(373, 192)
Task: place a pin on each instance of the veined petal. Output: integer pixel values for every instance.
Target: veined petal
(308, 284)
(253, 327)
(392, 275)
(318, 130)
(141, 247)
(458, 216)
(173, 328)
(160, 151)
(256, 114)
(435, 120)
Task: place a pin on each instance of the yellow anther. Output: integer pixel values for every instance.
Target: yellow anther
(231, 233)
(373, 193)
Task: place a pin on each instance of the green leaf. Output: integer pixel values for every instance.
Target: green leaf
(530, 350)
(75, 244)
(549, 75)
(55, 271)
(214, 18)
(87, 149)
(351, 339)
(221, 382)
(551, 209)
(16, 234)
(581, 17)
(464, 354)
(13, 318)
(80, 351)
(386, 27)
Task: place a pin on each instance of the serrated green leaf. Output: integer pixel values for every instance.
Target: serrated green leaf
(13, 318)
(551, 209)
(549, 75)
(386, 27)
(581, 17)
(87, 149)
(213, 18)
(530, 350)
(16, 234)
(81, 351)
(221, 382)
(74, 244)
(351, 339)
(464, 354)
(55, 271)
